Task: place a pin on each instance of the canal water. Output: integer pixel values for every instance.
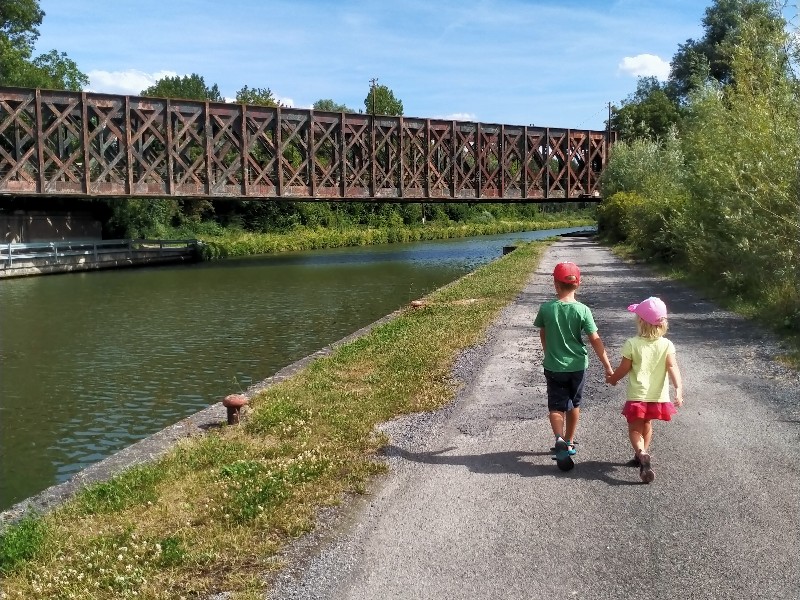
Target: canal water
(92, 362)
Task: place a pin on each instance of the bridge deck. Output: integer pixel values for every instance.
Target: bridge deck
(56, 143)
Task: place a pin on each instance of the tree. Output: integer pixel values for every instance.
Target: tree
(188, 87)
(329, 105)
(256, 96)
(19, 24)
(647, 113)
(381, 101)
(19, 30)
(744, 143)
(58, 71)
(710, 58)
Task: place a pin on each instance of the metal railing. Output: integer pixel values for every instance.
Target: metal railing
(58, 250)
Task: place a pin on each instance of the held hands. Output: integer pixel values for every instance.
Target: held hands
(610, 378)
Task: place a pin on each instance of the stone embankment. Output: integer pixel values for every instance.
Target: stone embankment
(22, 260)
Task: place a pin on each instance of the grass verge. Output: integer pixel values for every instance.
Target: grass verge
(239, 243)
(210, 516)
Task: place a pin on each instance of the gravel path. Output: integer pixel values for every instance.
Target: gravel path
(475, 508)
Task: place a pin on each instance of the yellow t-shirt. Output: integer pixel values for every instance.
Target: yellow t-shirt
(647, 380)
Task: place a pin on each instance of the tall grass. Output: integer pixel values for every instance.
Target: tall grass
(239, 243)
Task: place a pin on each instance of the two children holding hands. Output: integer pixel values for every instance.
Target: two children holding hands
(648, 359)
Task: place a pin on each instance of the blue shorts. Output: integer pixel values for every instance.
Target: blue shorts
(564, 390)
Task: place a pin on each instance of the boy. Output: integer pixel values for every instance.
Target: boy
(561, 322)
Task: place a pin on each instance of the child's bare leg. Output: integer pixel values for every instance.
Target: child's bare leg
(647, 433)
(636, 433)
(572, 422)
(557, 422)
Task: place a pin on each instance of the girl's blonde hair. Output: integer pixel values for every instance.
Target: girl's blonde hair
(651, 332)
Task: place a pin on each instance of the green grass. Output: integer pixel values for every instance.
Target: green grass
(211, 515)
(239, 243)
(135, 486)
(21, 543)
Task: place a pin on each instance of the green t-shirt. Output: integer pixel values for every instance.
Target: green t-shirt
(647, 380)
(563, 324)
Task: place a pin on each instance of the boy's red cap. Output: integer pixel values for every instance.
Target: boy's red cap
(567, 272)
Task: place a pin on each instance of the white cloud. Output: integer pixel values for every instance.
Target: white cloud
(130, 82)
(645, 65)
(459, 117)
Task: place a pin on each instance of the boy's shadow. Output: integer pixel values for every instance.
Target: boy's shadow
(513, 463)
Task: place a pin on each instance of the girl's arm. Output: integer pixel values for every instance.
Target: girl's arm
(675, 378)
(623, 369)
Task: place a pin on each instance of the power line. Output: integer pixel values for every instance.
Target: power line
(604, 109)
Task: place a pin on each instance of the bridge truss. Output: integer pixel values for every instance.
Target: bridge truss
(56, 143)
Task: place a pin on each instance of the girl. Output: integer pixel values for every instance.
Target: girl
(649, 358)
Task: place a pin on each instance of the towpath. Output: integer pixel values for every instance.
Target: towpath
(474, 507)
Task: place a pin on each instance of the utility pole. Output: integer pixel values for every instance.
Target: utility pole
(372, 83)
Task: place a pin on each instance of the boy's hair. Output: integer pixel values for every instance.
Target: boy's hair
(566, 287)
(649, 331)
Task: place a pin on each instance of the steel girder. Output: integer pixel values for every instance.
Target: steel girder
(55, 143)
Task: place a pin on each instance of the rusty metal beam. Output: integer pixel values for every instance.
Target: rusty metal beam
(81, 144)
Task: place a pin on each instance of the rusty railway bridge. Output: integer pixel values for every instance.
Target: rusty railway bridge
(81, 144)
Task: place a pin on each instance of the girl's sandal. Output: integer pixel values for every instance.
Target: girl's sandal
(646, 473)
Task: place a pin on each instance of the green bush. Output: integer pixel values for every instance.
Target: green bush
(652, 227)
(650, 168)
(612, 215)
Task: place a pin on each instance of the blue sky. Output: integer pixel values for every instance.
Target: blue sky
(556, 63)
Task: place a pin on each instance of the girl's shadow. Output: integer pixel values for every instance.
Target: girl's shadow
(515, 463)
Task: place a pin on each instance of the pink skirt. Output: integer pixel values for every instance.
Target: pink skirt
(633, 411)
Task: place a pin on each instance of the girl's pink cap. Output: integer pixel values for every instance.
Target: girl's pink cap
(652, 310)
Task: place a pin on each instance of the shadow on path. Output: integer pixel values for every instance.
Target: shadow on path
(514, 463)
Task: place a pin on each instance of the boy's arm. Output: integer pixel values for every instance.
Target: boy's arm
(600, 350)
(541, 337)
(623, 369)
(675, 378)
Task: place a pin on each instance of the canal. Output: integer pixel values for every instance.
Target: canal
(92, 362)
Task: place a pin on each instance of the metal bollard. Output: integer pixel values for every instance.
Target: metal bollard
(234, 404)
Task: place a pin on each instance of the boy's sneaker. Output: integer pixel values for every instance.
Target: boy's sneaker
(646, 473)
(563, 457)
(572, 449)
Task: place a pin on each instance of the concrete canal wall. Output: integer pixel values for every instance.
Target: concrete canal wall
(43, 258)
